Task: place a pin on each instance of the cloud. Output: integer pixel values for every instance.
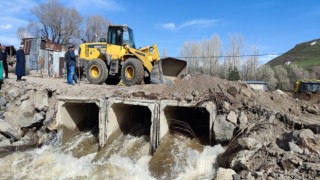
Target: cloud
(6, 27)
(191, 23)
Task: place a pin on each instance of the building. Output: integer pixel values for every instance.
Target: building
(44, 58)
(259, 85)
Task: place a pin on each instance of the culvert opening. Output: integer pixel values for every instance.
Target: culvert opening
(193, 122)
(133, 119)
(80, 117)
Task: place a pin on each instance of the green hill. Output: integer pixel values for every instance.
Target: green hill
(306, 55)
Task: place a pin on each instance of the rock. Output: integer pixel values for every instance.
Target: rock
(27, 106)
(4, 141)
(232, 91)
(24, 97)
(249, 143)
(9, 131)
(41, 102)
(306, 133)
(241, 160)
(3, 101)
(306, 151)
(226, 106)
(223, 129)
(232, 117)
(225, 174)
(187, 77)
(188, 98)
(18, 102)
(13, 93)
(312, 110)
(295, 148)
(245, 92)
(243, 120)
(49, 117)
(281, 92)
(195, 93)
(30, 120)
(258, 174)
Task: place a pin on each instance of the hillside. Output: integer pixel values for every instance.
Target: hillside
(306, 55)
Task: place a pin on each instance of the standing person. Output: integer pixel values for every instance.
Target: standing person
(21, 64)
(4, 61)
(71, 64)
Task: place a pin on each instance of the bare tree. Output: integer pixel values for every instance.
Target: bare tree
(297, 73)
(283, 81)
(95, 27)
(249, 68)
(55, 22)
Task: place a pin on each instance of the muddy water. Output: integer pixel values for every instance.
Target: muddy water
(125, 158)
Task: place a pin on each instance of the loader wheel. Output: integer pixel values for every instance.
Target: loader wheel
(132, 72)
(97, 71)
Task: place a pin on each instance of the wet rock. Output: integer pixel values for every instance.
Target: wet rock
(224, 174)
(9, 131)
(3, 101)
(295, 148)
(41, 102)
(232, 117)
(223, 129)
(249, 143)
(243, 120)
(13, 93)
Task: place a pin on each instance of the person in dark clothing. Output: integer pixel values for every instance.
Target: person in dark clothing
(4, 56)
(71, 64)
(21, 64)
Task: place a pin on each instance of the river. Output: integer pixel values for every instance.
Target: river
(127, 157)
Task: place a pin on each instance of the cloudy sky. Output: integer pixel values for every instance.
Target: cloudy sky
(274, 26)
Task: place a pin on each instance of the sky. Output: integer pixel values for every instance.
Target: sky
(273, 26)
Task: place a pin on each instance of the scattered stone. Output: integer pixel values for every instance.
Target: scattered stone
(41, 102)
(312, 110)
(188, 98)
(249, 143)
(241, 160)
(187, 77)
(223, 129)
(281, 92)
(295, 148)
(13, 94)
(195, 93)
(226, 106)
(3, 101)
(224, 174)
(232, 117)
(306, 151)
(243, 120)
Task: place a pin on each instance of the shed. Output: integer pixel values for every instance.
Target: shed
(259, 85)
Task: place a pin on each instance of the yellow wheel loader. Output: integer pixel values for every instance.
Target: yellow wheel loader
(116, 58)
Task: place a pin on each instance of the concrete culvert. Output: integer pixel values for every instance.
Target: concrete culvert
(193, 122)
(75, 117)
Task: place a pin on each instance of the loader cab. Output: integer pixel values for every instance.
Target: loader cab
(120, 35)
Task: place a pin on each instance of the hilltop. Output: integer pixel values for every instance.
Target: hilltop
(306, 55)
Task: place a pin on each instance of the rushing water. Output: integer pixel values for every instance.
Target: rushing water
(127, 157)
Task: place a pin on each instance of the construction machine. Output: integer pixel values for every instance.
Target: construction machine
(117, 57)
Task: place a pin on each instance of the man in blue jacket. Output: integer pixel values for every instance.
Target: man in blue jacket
(21, 64)
(71, 64)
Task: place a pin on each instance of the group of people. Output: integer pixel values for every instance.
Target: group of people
(21, 64)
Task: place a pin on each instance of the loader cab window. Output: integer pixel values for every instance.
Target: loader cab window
(120, 36)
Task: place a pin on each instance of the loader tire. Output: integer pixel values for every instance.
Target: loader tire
(97, 71)
(132, 72)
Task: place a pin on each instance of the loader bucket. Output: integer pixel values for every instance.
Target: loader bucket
(167, 70)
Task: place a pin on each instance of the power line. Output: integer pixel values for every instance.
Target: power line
(248, 55)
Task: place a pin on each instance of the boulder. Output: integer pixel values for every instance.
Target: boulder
(243, 120)
(241, 159)
(7, 129)
(13, 93)
(232, 117)
(295, 148)
(31, 121)
(226, 106)
(225, 174)
(223, 129)
(41, 102)
(249, 143)
(4, 142)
